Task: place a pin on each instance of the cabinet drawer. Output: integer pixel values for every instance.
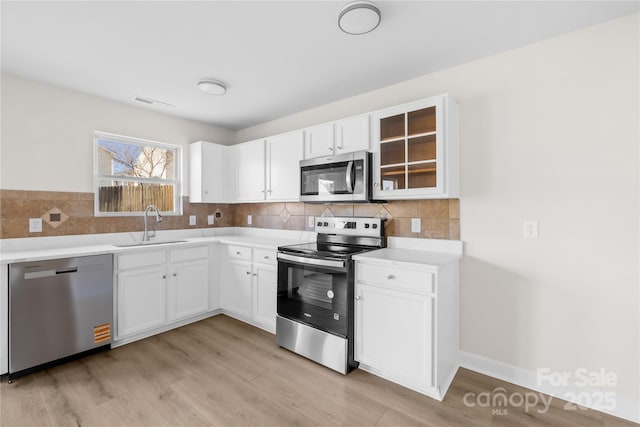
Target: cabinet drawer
(265, 256)
(239, 252)
(141, 259)
(188, 254)
(411, 280)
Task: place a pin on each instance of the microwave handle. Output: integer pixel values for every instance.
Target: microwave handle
(349, 177)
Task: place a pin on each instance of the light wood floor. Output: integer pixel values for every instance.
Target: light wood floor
(222, 372)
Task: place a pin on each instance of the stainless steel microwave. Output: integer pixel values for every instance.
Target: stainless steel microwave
(343, 178)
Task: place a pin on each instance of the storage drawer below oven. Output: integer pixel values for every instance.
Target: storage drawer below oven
(319, 346)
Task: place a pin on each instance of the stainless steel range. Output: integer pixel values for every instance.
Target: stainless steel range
(316, 290)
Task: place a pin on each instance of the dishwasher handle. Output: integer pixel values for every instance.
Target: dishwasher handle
(67, 270)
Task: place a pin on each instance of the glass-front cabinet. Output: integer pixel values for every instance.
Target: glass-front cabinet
(416, 150)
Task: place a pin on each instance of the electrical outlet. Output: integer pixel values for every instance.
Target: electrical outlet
(249, 219)
(311, 222)
(210, 220)
(530, 228)
(35, 225)
(416, 225)
(192, 220)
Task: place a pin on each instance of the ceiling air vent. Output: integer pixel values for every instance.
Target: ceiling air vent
(150, 101)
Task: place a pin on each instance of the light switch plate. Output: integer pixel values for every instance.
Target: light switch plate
(530, 228)
(249, 219)
(210, 220)
(416, 225)
(35, 225)
(192, 220)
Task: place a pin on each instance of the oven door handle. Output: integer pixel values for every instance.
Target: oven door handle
(311, 261)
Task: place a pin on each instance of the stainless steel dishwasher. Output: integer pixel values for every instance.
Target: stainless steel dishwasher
(58, 309)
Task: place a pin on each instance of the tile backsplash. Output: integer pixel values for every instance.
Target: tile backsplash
(67, 213)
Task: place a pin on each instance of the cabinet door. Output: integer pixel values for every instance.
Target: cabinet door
(318, 141)
(265, 289)
(284, 155)
(352, 134)
(394, 334)
(416, 150)
(238, 291)
(188, 289)
(250, 171)
(208, 182)
(141, 296)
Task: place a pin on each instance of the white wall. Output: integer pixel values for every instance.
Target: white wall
(47, 135)
(548, 132)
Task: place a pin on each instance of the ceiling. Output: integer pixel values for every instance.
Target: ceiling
(276, 58)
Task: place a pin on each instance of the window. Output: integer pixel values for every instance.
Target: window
(132, 173)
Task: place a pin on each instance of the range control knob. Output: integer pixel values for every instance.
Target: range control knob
(326, 224)
(366, 226)
(319, 223)
(374, 225)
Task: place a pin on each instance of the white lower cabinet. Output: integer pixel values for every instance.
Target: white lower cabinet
(394, 332)
(141, 295)
(239, 289)
(398, 324)
(157, 288)
(250, 286)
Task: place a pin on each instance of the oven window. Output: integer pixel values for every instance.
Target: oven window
(316, 296)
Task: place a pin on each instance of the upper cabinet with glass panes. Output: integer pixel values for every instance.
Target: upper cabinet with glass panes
(416, 150)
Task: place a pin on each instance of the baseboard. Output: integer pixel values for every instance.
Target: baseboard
(625, 408)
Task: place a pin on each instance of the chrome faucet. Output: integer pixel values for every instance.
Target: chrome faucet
(145, 236)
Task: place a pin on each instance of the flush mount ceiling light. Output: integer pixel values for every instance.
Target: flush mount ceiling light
(359, 17)
(212, 87)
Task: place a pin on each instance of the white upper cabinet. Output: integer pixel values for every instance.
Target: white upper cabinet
(268, 169)
(284, 153)
(416, 150)
(340, 137)
(352, 134)
(250, 171)
(319, 141)
(209, 174)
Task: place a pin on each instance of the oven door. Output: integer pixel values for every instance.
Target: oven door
(315, 292)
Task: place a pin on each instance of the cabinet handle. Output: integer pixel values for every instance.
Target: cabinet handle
(237, 253)
(175, 274)
(391, 276)
(339, 147)
(206, 192)
(358, 297)
(248, 273)
(164, 276)
(375, 184)
(255, 274)
(330, 148)
(269, 191)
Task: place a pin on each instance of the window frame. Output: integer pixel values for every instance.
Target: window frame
(97, 177)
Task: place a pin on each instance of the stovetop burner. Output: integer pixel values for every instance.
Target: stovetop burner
(341, 238)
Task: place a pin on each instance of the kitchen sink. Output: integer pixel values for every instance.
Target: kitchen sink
(150, 243)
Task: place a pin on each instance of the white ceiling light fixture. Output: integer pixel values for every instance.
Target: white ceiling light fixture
(359, 17)
(212, 87)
